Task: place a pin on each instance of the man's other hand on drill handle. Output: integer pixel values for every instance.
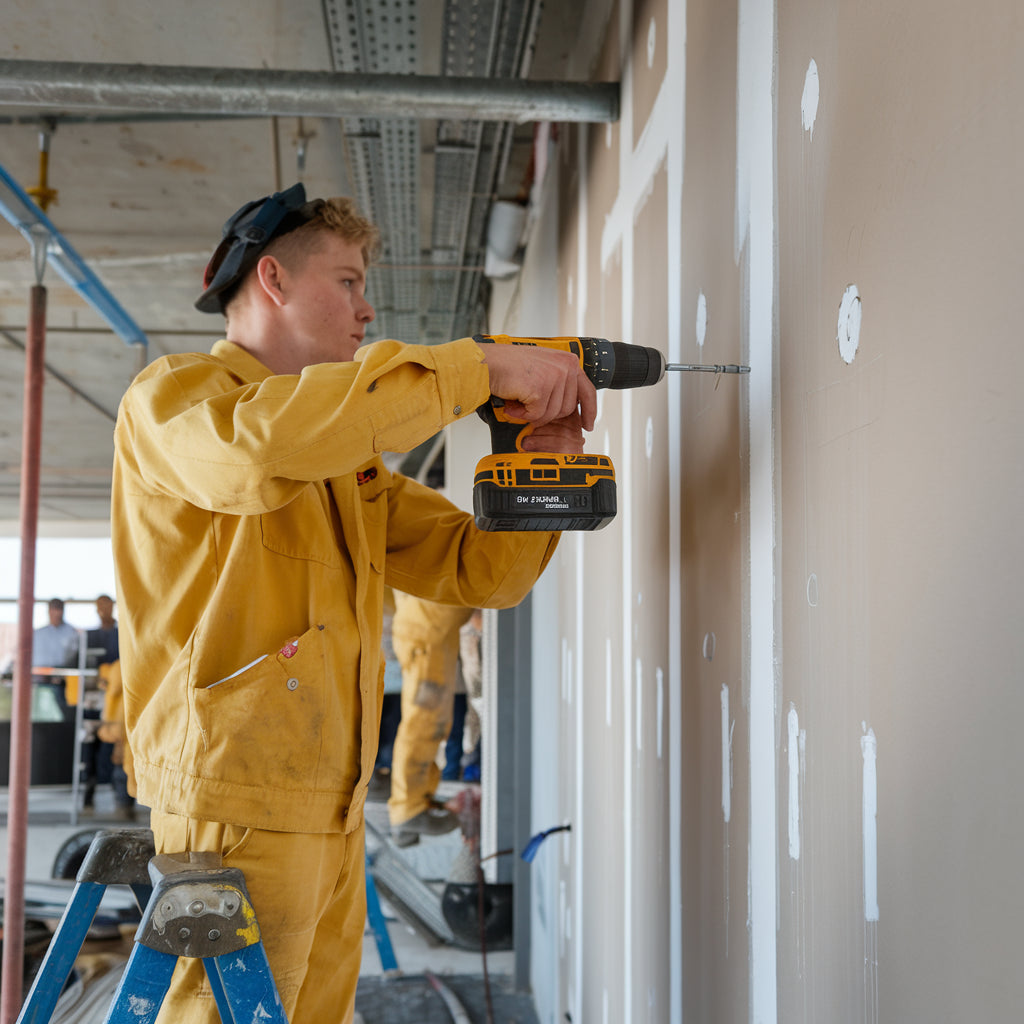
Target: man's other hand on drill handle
(536, 384)
(547, 388)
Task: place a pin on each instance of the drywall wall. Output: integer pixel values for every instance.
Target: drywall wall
(901, 502)
(783, 725)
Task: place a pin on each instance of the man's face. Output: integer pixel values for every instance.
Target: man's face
(105, 609)
(56, 614)
(325, 305)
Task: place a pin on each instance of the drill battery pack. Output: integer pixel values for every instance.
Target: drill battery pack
(522, 491)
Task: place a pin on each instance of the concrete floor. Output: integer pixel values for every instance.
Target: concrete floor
(394, 997)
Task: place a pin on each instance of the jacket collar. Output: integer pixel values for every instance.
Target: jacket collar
(240, 362)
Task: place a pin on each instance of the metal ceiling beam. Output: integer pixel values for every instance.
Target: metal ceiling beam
(60, 85)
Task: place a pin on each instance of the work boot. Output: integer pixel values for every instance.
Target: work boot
(436, 820)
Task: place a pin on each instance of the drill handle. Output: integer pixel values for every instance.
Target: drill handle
(506, 434)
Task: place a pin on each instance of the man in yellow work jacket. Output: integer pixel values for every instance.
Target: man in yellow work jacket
(254, 529)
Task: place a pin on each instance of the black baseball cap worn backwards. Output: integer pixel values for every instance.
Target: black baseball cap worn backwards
(246, 234)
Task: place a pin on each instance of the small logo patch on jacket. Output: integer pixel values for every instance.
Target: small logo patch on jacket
(366, 475)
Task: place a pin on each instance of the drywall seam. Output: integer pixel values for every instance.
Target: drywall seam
(755, 192)
(622, 223)
(579, 819)
(675, 85)
(637, 167)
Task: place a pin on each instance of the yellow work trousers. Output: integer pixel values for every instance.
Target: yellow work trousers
(425, 637)
(309, 894)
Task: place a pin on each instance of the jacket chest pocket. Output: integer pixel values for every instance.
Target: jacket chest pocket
(304, 528)
(264, 725)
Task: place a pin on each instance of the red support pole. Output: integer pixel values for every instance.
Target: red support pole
(21, 725)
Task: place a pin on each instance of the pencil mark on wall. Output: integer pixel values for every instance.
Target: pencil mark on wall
(649, 437)
(652, 38)
(848, 331)
(809, 99)
(702, 319)
(812, 590)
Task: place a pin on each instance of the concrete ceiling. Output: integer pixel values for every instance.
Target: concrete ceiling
(142, 194)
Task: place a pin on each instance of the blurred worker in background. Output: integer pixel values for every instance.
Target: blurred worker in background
(425, 636)
(55, 645)
(96, 753)
(255, 527)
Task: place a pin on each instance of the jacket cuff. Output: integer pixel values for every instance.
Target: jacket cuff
(463, 383)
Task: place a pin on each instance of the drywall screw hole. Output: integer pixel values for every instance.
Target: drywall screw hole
(709, 646)
(848, 329)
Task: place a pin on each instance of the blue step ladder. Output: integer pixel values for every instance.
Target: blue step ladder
(192, 907)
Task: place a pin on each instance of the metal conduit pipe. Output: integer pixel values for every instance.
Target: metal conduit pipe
(20, 771)
(265, 93)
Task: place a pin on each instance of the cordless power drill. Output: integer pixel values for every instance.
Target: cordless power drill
(517, 490)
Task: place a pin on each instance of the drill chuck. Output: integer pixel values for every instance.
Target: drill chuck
(616, 365)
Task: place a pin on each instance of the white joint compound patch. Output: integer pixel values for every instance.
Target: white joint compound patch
(608, 681)
(812, 590)
(793, 757)
(649, 438)
(726, 757)
(848, 331)
(869, 751)
(702, 319)
(659, 675)
(652, 38)
(639, 705)
(809, 99)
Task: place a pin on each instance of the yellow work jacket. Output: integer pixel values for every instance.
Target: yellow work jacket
(254, 530)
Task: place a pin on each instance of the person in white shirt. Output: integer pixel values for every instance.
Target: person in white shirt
(55, 646)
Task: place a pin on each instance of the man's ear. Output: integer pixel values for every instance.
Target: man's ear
(270, 274)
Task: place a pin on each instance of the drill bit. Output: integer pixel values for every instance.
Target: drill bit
(708, 367)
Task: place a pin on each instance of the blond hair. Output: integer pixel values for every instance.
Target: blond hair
(338, 216)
